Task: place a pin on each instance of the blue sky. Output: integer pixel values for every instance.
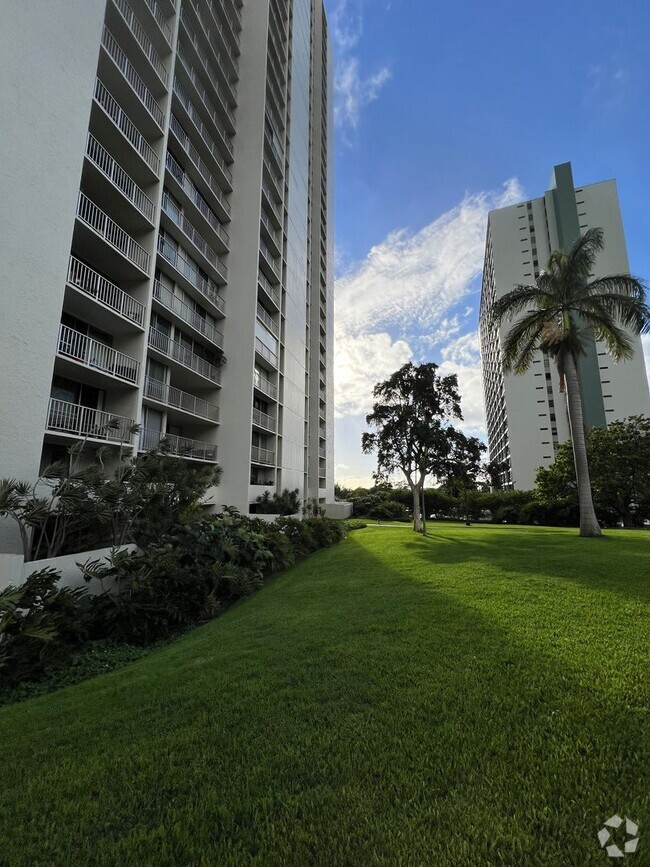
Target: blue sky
(444, 111)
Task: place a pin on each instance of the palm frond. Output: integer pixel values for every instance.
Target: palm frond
(520, 298)
(605, 328)
(581, 257)
(623, 297)
(522, 340)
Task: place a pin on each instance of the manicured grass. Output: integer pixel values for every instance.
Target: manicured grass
(479, 697)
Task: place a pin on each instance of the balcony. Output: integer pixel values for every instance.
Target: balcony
(265, 386)
(206, 101)
(113, 110)
(138, 86)
(270, 323)
(82, 421)
(142, 39)
(271, 292)
(199, 163)
(265, 352)
(157, 13)
(206, 138)
(164, 344)
(109, 231)
(276, 180)
(103, 161)
(264, 420)
(188, 230)
(189, 270)
(102, 290)
(181, 447)
(322, 453)
(270, 261)
(166, 298)
(266, 457)
(91, 353)
(272, 233)
(161, 392)
(176, 171)
(209, 69)
(272, 202)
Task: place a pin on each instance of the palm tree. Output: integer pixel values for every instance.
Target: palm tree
(562, 311)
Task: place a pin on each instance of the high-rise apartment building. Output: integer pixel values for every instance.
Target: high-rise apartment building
(166, 234)
(526, 415)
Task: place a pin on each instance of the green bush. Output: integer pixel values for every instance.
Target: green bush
(326, 532)
(356, 524)
(39, 624)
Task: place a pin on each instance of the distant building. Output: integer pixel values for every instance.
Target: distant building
(526, 415)
(167, 172)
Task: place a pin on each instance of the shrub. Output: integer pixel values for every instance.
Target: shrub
(326, 532)
(356, 524)
(40, 623)
(286, 503)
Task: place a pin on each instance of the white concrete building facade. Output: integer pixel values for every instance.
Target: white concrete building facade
(167, 238)
(526, 415)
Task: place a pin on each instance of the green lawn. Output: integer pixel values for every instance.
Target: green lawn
(479, 697)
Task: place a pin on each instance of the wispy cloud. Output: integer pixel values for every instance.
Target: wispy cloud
(353, 87)
(409, 297)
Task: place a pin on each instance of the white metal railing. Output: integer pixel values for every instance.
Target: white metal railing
(218, 26)
(179, 90)
(203, 57)
(96, 219)
(274, 199)
(263, 384)
(83, 349)
(182, 447)
(321, 453)
(157, 13)
(265, 352)
(164, 393)
(101, 158)
(89, 281)
(83, 421)
(263, 419)
(275, 180)
(179, 175)
(191, 233)
(269, 289)
(270, 259)
(270, 228)
(198, 162)
(112, 108)
(176, 305)
(189, 269)
(262, 456)
(172, 349)
(270, 323)
(142, 39)
(119, 58)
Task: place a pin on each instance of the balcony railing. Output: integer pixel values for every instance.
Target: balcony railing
(265, 385)
(265, 352)
(218, 26)
(172, 349)
(270, 323)
(198, 162)
(270, 259)
(82, 421)
(179, 90)
(142, 39)
(101, 158)
(84, 278)
(91, 353)
(272, 291)
(110, 105)
(195, 196)
(157, 13)
(96, 219)
(270, 228)
(262, 456)
(167, 394)
(263, 419)
(176, 305)
(182, 447)
(119, 58)
(188, 268)
(186, 227)
(321, 453)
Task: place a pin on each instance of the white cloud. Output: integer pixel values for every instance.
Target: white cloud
(353, 88)
(398, 304)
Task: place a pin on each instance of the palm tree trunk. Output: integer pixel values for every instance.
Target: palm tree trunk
(588, 522)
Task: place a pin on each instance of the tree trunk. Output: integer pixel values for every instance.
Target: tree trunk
(417, 525)
(588, 523)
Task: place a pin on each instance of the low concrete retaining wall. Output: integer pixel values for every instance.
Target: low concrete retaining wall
(338, 510)
(13, 569)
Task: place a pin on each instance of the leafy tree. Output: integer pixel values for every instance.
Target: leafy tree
(412, 432)
(559, 314)
(286, 503)
(464, 470)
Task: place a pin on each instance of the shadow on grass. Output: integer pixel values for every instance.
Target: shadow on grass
(344, 715)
